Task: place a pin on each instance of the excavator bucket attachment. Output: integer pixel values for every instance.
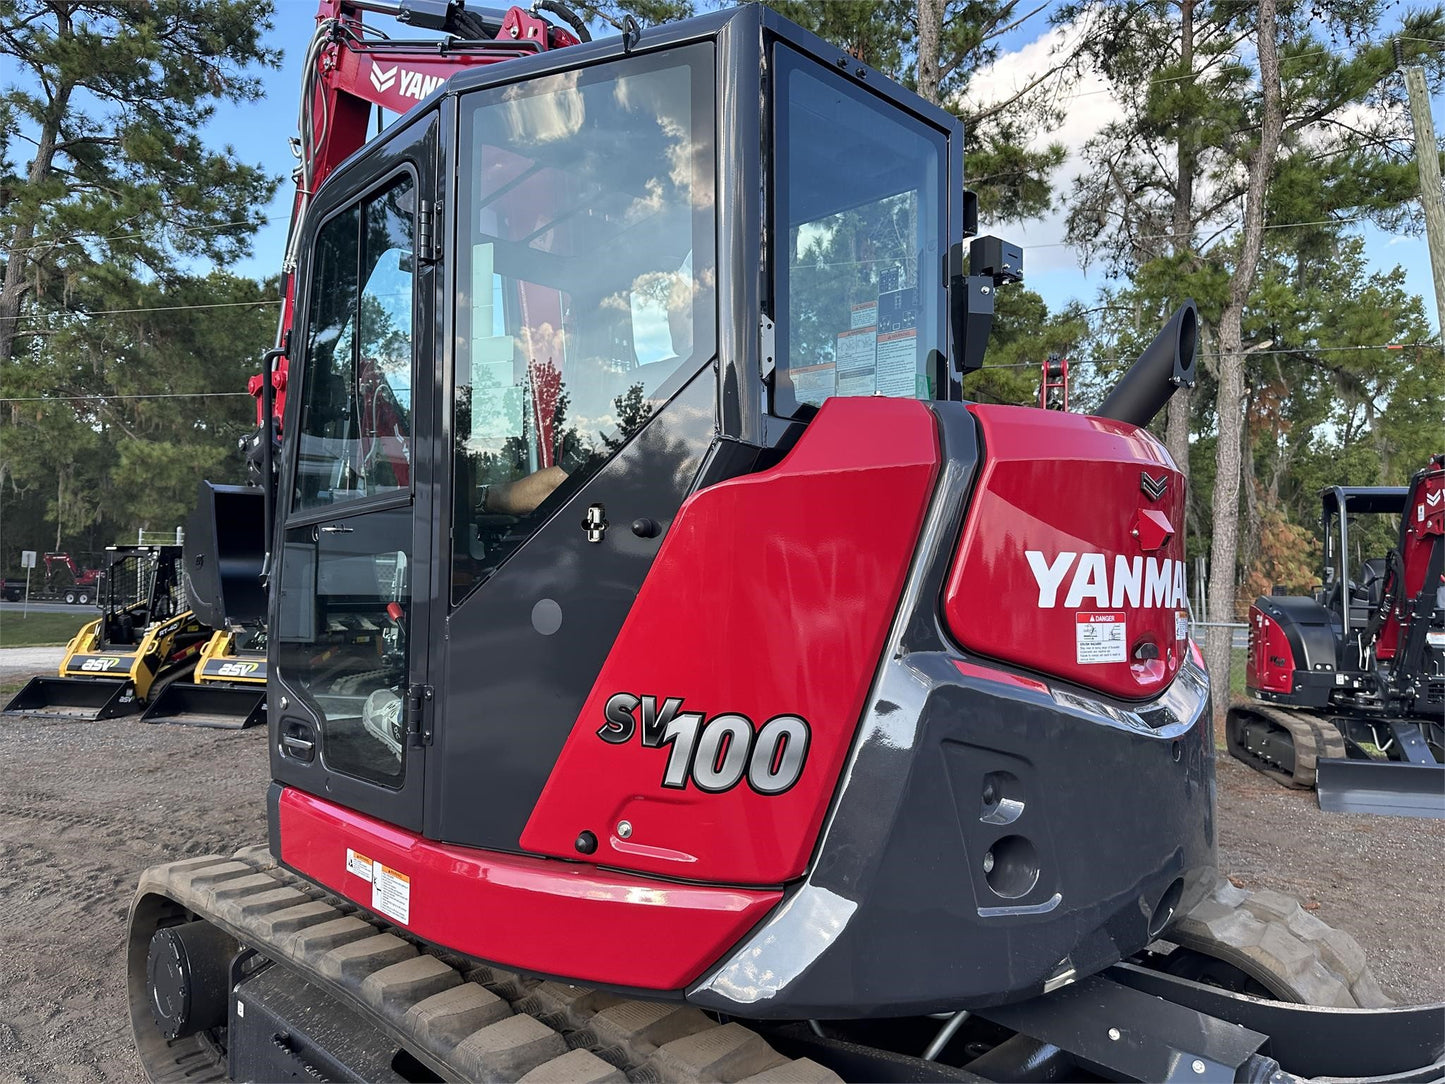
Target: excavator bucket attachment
(75, 698)
(1387, 787)
(226, 707)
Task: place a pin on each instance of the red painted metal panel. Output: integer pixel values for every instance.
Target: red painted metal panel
(1424, 525)
(1071, 563)
(1271, 661)
(1003, 677)
(763, 620)
(535, 914)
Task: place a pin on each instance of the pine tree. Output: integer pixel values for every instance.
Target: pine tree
(108, 98)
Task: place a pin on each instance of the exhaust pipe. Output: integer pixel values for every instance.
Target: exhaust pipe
(1166, 364)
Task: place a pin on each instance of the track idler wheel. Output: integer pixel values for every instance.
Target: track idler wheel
(188, 971)
(1267, 938)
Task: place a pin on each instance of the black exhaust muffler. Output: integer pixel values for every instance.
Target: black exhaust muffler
(1166, 364)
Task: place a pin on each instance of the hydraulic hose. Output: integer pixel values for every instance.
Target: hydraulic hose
(567, 15)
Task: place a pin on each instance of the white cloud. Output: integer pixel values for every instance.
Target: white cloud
(1089, 105)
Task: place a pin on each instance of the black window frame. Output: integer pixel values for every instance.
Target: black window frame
(300, 366)
(787, 55)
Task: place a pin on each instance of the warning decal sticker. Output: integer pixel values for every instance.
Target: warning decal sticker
(358, 864)
(390, 892)
(1100, 637)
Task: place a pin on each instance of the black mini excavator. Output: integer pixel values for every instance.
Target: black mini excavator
(1348, 687)
(672, 676)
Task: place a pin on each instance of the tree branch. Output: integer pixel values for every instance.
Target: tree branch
(998, 107)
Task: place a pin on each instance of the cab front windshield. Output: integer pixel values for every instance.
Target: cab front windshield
(586, 285)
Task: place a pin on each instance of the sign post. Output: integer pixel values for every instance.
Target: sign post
(27, 562)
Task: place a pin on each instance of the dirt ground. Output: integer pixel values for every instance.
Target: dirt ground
(85, 806)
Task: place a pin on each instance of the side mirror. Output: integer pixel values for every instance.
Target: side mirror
(991, 263)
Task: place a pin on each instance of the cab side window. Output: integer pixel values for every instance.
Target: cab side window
(354, 435)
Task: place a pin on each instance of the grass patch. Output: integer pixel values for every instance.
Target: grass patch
(39, 629)
(1237, 660)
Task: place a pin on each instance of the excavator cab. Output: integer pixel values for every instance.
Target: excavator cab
(648, 611)
(533, 317)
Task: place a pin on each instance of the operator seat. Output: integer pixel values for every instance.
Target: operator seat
(1366, 596)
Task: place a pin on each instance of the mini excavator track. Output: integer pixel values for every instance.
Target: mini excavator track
(1284, 745)
(1268, 937)
(461, 1021)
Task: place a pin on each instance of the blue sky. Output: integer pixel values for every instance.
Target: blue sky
(260, 131)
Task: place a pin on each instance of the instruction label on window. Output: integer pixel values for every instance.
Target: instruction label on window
(390, 892)
(865, 315)
(898, 363)
(855, 354)
(1100, 637)
(898, 342)
(814, 383)
(358, 864)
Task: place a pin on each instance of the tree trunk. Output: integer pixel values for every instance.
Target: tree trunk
(1176, 428)
(1228, 451)
(17, 259)
(930, 43)
(1176, 432)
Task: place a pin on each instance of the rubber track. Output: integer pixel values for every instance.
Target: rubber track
(1315, 739)
(1275, 941)
(465, 1022)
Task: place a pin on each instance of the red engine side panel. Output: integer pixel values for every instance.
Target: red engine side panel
(1074, 521)
(712, 741)
(1271, 661)
(1424, 526)
(559, 918)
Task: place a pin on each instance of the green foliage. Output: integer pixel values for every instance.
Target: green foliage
(1024, 334)
(109, 198)
(108, 99)
(1160, 208)
(84, 460)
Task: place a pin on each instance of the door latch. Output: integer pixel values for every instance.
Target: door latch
(595, 522)
(418, 718)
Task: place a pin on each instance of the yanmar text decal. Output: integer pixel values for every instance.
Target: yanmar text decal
(1136, 581)
(715, 754)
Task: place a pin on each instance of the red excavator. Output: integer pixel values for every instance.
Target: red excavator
(671, 675)
(1348, 687)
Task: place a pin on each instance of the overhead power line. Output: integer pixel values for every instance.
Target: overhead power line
(79, 238)
(143, 308)
(112, 398)
(1215, 354)
(1170, 236)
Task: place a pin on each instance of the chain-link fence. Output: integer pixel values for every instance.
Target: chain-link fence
(1238, 651)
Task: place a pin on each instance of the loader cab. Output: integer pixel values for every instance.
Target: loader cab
(1361, 525)
(609, 276)
(140, 586)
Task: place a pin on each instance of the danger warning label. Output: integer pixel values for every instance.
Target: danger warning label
(1100, 637)
(358, 864)
(390, 892)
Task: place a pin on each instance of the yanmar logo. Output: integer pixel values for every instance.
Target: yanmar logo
(409, 84)
(1134, 582)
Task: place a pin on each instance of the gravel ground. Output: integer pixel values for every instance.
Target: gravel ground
(85, 806)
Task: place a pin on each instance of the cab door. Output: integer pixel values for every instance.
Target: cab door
(352, 603)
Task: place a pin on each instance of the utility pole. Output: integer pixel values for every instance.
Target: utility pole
(1427, 157)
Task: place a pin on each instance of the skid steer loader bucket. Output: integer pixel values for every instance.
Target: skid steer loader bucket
(1385, 787)
(227, 707)
(75, 698)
